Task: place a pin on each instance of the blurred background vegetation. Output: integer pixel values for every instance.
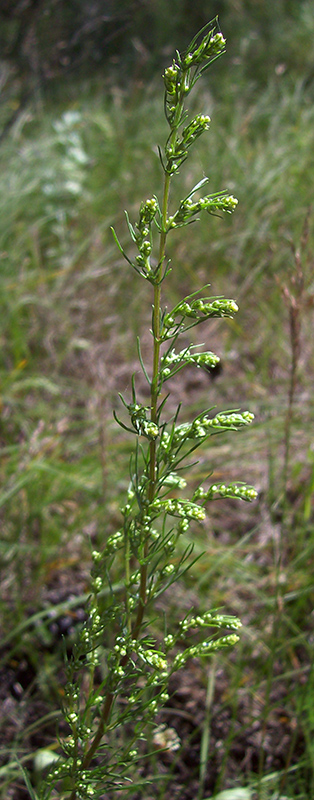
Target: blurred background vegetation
(44, 40)
(80, 118)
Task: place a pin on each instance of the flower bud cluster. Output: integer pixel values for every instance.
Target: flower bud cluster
(93, 658)
(204, 649)
(142, 260)
(194, 129)
(114, 542)
(97, 584)
(200, 310)
(212, 45)
(147, 214)
(237, 491)
(213, 202)
(149, 429)
(118, 652)
(84, 788)
(179, 508)
(209, 619)
(183, 525)
(179, 79)
(233, 419)
(63, 769)
(202, 427)
(171, 78)
(142, 235)
(177, 85)
(132, 601)
(95, 619)
(120, 647)
(176, 152)
(170, 361)
(142, 425)
(169, 569)
(154, 658)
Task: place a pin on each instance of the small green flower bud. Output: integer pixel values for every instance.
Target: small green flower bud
(170, 77)
(169, 569)
(150, 430)
(72, 718)
(93, 658)
(147, 214)
(140, 260)
(146, 248)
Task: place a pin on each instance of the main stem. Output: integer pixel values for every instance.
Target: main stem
(109, 699)
(156, 357)
(153, 401)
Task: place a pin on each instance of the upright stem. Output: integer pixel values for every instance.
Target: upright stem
(110, 696)
(294, 312)
(153, 401)
(109, 699)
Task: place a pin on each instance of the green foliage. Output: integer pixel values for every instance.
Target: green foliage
(152, 521)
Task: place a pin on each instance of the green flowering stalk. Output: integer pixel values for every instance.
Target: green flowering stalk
(123, 684)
